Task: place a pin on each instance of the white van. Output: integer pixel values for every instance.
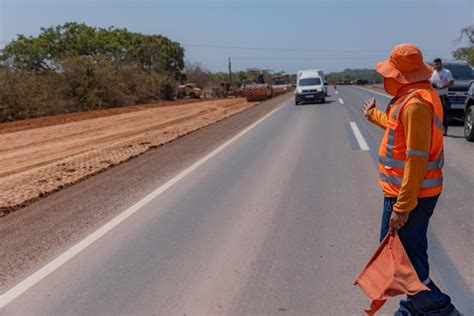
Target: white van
(310, 86)
(321, 74)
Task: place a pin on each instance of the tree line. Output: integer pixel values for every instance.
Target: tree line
(75, 67)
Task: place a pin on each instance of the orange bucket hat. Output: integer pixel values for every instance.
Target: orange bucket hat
(405, 65)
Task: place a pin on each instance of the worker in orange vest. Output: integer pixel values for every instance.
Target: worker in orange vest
(410, 164)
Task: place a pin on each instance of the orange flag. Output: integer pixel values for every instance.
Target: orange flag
(388, 273)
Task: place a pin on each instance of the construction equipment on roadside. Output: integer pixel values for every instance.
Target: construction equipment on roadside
(256, 91)
(189, 90)
(223, 90)
(281, 84)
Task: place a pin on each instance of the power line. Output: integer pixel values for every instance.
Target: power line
(302, 50)
(309, 58)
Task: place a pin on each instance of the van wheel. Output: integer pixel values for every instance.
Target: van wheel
(468, 121)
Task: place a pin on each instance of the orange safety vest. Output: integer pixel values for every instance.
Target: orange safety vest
(393, 150)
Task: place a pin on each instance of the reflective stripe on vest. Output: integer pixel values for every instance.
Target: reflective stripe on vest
(391, 132)
(400, 164)
(438, 122)
(417, 153)
(394, 180)
(394, 163)
(390, 142)
(395, 112)
(394, 152)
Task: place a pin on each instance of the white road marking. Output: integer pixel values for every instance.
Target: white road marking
(358, 135)
(337, 92)
(376, 92)
(341, 101)
(50, 267)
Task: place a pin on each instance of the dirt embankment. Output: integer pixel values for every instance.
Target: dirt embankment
(44, 121)
(43, 155)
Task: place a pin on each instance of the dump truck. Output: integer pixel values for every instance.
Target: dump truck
(189, 90)
(281, 84)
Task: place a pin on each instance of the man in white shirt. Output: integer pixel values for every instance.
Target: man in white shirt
(442, 80)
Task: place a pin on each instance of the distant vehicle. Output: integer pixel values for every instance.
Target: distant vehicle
(360, 82)
(189, 90)
(463, 74)
(281, 84)
(469, 114)
(309, 87)
(246, 82)
(321, 75)
(256, 91)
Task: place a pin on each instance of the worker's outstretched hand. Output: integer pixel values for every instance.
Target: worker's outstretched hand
(398, 220)
(368, 105)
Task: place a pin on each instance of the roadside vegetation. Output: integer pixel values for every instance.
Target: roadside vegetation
(74, 67)
(466, 53)
(350, 75)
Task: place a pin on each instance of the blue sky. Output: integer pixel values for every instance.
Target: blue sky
(280, 34)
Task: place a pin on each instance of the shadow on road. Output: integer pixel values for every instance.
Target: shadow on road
(315, 103)
(455, 121)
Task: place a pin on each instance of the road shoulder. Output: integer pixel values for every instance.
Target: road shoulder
(43, 229)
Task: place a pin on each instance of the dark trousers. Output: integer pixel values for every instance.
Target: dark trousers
(445, 103)
(413, 236)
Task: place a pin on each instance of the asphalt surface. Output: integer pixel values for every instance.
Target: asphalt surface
(45, 228)
(279, 222)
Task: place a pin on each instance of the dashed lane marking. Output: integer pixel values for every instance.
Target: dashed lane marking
(358, 135)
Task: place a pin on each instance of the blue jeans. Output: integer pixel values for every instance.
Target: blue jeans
(413, 236)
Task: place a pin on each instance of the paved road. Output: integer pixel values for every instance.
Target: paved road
(278, 222)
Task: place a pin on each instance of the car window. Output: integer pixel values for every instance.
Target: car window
(310, 82)
(460, 72)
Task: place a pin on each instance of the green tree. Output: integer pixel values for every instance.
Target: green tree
(119, 46)
(466, 53)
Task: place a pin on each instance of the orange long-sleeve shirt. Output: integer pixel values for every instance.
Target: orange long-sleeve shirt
(416, 119)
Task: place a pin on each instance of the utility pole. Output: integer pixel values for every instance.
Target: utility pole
(230, 73)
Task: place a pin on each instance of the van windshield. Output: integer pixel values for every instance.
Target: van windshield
(310, 82)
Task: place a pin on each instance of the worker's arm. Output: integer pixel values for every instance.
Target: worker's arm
(377, 117)
(416, 119)
(374, 116)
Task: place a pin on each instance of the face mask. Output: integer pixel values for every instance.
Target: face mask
(391, 86)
